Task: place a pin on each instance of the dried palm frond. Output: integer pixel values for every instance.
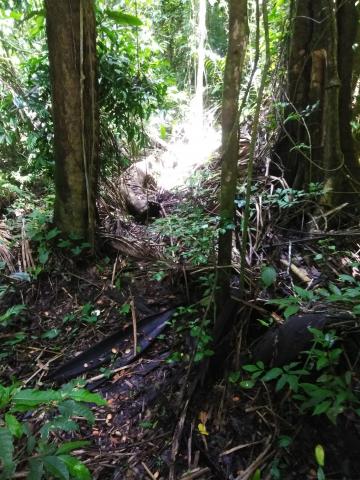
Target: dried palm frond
(27, 261)
(5, 254)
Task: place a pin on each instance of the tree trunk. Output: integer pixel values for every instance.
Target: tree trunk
(238, 35)
(71, 37)
(199, 84)
(317, 145)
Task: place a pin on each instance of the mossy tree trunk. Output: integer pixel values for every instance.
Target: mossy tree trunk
(317, 144)
(71, 37)
(238, 36)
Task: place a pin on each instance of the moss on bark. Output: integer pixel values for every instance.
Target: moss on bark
(72, 56)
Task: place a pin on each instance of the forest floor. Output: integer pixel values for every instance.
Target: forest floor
(162, 420)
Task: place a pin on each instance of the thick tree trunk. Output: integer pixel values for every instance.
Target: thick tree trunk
(317, 145)
(348, 34)
(72, 55)
(238, 35)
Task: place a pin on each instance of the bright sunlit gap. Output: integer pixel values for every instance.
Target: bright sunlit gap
(199, 139)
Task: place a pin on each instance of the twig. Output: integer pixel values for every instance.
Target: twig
(42, 367)
(246, 474)
(296, 271)
(189, 445)
(134, 322)
(110, 374)
(176, 439)
(195, 473)
(240, 447)
(114, 271)
(147, 470)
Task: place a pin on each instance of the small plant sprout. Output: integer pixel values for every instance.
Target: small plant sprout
(320, 460)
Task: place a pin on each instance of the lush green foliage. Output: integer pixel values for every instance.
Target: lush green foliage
(36, 449)
(330, 392)
(347, 293)
(192, 232)
(131, 77)
(191, 320)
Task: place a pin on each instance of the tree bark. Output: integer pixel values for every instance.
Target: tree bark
(71, 37)
(317, 145)
(238, 35)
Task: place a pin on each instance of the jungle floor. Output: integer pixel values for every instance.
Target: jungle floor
(162, 419)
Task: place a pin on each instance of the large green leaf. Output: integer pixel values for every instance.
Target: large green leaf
(68, 447)
(268, 275)
(56, 467)
(58, 423)
(6, 454)
(76, 468)
(34, 13)
(36, 469)
(121, 18)
(6, 394)
(70, 408)
(82, 395)
(14, 425)
(33, 398)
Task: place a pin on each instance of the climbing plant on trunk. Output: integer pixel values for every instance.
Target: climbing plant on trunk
(72, 54)
(317, 143)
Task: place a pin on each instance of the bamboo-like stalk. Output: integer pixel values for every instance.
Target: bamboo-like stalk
(254, 134)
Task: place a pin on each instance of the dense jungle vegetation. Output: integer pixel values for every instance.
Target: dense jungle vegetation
(179, 239)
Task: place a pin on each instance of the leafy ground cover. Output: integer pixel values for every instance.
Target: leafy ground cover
(157, 418)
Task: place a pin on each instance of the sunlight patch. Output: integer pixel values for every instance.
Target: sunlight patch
(194, 142)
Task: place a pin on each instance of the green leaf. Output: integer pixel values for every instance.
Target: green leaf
(291, 310)
(234, 377)
(247, 384)
(6, 394)
(320, 474)
(347, 278)
(125, 308)
(257, 475)
(250, 368)
(82, 395)
(6, 453)
(71, 408)
(285, 441)
(322, 407)
(68, 447)
(303, 294)
(76, 468)
(30, 444)
(36, 471)
(13, 424)
(280, 384)
(33, 398)
(320, 455)
(334, 289)
(11, 312)
(52, 233)
(268, 276)
(43, 254)
(50, 334)
(34, 13)
(56, 467)
(121, 18)
(272, 374)
(58, 423)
